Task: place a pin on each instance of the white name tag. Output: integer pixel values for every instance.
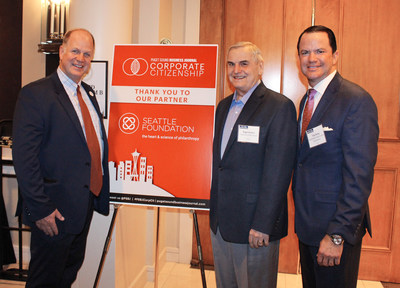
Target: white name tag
(316, 136)
(248, 134)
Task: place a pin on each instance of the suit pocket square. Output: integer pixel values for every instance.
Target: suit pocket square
(327, 129)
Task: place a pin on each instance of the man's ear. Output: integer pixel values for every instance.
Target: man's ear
(61, 50)
(335, 57)
(261, 68)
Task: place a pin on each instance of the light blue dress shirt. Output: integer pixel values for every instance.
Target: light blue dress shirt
(234, 112)
(70, 87)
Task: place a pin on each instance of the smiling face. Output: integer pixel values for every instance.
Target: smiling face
(316, 58)
(76, 55)
(244, 70)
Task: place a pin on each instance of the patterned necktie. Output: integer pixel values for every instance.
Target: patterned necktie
(307, 113)
(96, 174)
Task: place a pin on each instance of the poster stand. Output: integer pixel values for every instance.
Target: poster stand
(156, 249)
(156, 268)
(199, 250)
(106, 245)
(163, 95)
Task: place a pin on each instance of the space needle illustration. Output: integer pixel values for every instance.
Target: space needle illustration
(125, 177)
(135, 156)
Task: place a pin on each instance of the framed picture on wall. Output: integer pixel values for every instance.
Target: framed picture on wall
(97, 78)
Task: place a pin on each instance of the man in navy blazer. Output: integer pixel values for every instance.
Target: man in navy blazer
(335, 166)
(253, 158)
(53, 164)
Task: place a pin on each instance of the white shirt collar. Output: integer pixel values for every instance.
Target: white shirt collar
(323, 84)
(65, 79)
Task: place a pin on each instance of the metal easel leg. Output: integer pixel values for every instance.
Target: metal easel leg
(156, 248)
(199, 250)
(106, 245)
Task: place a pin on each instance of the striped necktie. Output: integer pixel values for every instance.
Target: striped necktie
(307, 113)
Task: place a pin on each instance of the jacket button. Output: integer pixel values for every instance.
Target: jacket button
(300, 164)
(86, 186)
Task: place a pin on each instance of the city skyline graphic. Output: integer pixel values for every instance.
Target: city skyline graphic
(129, 178)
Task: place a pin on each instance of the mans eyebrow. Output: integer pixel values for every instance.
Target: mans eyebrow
(241, 61)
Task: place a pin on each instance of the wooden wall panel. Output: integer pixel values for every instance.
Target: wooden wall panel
(370, 58)
(297, 19)
(379, 257)
(294, 84)
(369, 35)
(379, 248)
(260, 22)
(382, 204)
(211, 32)
(329, 13)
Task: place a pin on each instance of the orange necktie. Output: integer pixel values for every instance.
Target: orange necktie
(307, 113)
(96, 174)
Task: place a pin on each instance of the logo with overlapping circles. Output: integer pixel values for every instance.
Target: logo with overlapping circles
(128, 123)
(135, 66)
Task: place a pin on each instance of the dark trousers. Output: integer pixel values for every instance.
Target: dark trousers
(339, 276)
(55, 261)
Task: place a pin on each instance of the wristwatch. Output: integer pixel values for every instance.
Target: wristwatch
(337, 239)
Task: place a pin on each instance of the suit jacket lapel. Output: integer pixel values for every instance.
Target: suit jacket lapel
(327, 99)
(92, 99)
(66, 103)
(220, 124)
(248, 110)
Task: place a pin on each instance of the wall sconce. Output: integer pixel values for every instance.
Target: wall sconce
(54, 24)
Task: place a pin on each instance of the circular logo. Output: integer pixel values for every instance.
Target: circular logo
(128, 123)
(135, 66)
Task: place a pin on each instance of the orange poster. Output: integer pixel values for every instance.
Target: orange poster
(161, 123)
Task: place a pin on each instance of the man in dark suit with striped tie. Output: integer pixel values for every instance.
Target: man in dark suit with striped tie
(337, 150)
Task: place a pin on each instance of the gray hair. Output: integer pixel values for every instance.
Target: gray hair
(252, 47)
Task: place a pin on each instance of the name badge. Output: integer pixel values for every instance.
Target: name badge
(248, 134)
(316, 136)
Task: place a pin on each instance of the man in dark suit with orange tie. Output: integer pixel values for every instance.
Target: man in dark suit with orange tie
(337, 150)
(253, 157)
(60, 155)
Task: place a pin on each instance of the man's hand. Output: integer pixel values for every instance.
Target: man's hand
(48, 224)
(329, 254)
(258, 239)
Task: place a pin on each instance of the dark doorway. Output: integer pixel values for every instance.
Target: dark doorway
(10, 55)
